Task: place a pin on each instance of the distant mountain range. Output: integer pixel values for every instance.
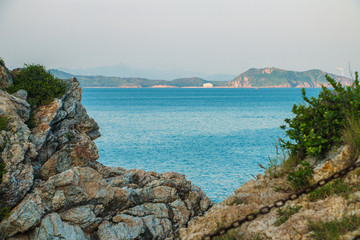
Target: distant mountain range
(253, 78)
(124, 71)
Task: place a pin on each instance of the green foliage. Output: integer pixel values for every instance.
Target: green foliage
(4, 211)
(274, 163)
(41, 85)
(285, 214)
(351, 135)
(4, 122)
(2, 62)
(301, 177)
(2, 171)
(329, 230)
(69, 136)
(318, 123)
(337, 187)
(31, 123)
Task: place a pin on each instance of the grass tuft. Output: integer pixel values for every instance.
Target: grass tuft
(4, 123)
(331, 230)
(337, 187)
(285, 214)
(351, 135)
(301, 177)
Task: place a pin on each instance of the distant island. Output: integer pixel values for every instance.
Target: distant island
(253, 78)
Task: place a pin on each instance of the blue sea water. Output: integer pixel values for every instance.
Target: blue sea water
(216, 137)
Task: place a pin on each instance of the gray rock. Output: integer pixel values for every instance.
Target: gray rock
(22, 94)
(5, 78)
(127, 227)
(160, 228)
(82, 216)
(52, 227)
(23, 217)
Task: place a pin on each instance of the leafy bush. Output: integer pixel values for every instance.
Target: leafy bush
(2, 61)
(41, 85)
(301, 177)
(318, 124)
(285, 214)
(337, 187)
(335, 228)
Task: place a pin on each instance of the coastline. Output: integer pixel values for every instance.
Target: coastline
(203, 87)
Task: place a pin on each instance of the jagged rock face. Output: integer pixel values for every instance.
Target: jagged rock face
(57, 189)
(5, 78)
(264, 191)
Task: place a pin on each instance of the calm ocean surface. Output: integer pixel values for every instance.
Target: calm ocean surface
(216, 137)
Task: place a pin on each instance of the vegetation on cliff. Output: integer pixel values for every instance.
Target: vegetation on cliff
(41, 85)
(323, 122)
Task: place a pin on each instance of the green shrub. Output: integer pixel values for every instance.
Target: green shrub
(4, 211)
(4, 122)
(69, 136)
(285, 214)
(329, 230)
(337, 187)
(318, 124)
(2, 61)
(41, 85)
(301, 177)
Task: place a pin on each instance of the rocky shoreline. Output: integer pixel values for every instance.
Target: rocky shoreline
(57, 190)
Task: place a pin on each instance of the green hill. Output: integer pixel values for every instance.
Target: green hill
(275, 77)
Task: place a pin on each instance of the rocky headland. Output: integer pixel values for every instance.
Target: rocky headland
(56, 189)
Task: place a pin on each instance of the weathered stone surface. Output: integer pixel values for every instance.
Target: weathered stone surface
(255, 194)
(160, 210)
(22, 94)
(5, 78)
(127, 227)
(160, 228)
(23, 217)
(82, 216)
(17, 150)
(52, 227)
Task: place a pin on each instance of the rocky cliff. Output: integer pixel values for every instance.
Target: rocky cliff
(57, 190)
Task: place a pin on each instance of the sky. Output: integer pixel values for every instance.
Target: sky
(210, 36)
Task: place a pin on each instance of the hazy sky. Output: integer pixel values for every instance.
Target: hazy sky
(211, 36)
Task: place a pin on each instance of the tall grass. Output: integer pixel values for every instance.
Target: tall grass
(332, 230)
(351, 135)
